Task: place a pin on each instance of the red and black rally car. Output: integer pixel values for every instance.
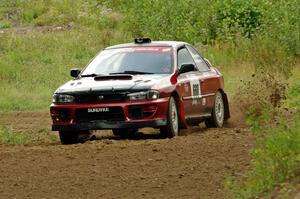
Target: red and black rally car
(165, 84)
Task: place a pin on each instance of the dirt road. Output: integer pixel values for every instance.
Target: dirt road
(191, 166)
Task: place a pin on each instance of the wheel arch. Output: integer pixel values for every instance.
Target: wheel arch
(180, 107)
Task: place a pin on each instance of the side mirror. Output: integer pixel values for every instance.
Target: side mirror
(75, 72)
(186, 68)
(207, 62)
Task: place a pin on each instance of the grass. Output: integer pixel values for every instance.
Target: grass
(276, 156)
(293, 99)
(276, 160)
(35, 64)
(7, 136)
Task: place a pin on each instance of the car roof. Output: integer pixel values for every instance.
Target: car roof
(174, 44)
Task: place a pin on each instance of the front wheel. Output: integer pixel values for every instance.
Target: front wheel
(73, 137)
(217, 114)
(172, 127)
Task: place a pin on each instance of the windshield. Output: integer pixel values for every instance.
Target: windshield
(135, 60)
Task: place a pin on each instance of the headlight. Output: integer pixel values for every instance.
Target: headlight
(152, 95)
(143, 95)
(60, 98)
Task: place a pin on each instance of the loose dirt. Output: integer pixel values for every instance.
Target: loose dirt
(191, 166)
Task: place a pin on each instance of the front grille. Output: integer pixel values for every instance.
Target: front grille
(114, 114)
(101, 98)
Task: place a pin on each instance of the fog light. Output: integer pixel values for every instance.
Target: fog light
(60, 115)
(151, 108)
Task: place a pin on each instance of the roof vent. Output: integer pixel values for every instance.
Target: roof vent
(142, 40)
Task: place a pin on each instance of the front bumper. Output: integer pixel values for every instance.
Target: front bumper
(95, 125)
(73, 122)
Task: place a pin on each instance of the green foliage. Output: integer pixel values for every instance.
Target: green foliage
(258, 118)
(270, 58)
(166, 20)
(5, 24)
(30, 15)
(282, 23)
(192, 21)
(30, 71)
(275, 160)
(276, 157)
(206, 21)
(238, 17)
(294, 97)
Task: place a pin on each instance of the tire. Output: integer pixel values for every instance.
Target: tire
(172, 127)
(71, 137)
(124, 132)
(217, 115)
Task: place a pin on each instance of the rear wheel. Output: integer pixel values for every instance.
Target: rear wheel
(172, 127)
(217, 114)
(73, 137)
(124, 132)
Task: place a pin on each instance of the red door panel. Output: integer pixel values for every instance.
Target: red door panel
(190, 87)
(210, 84)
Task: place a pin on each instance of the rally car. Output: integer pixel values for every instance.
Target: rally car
(165, 84)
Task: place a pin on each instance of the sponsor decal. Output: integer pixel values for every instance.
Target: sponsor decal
(203, 101)
(195, 91)
(98, 110)
(186, 88)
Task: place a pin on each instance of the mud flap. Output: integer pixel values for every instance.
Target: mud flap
(182, 122)
(226, 111)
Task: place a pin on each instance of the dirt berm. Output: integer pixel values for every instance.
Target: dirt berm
(191, 166)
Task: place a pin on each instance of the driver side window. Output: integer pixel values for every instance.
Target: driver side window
(184, 57)
(202, 66)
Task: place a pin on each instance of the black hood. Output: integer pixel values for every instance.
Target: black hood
(111, 83)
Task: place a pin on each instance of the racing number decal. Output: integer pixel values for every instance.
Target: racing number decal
(195, 91)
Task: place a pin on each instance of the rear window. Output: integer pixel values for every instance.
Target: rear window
(152, 60)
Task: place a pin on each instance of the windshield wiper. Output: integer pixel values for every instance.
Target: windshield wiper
(92, 75)
(131, 72)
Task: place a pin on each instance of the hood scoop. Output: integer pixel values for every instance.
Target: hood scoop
(113, 77)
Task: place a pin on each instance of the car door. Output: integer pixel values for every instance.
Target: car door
(209, 81)
(190, 85)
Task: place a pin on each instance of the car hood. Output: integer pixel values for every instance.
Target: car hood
(112, 83)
